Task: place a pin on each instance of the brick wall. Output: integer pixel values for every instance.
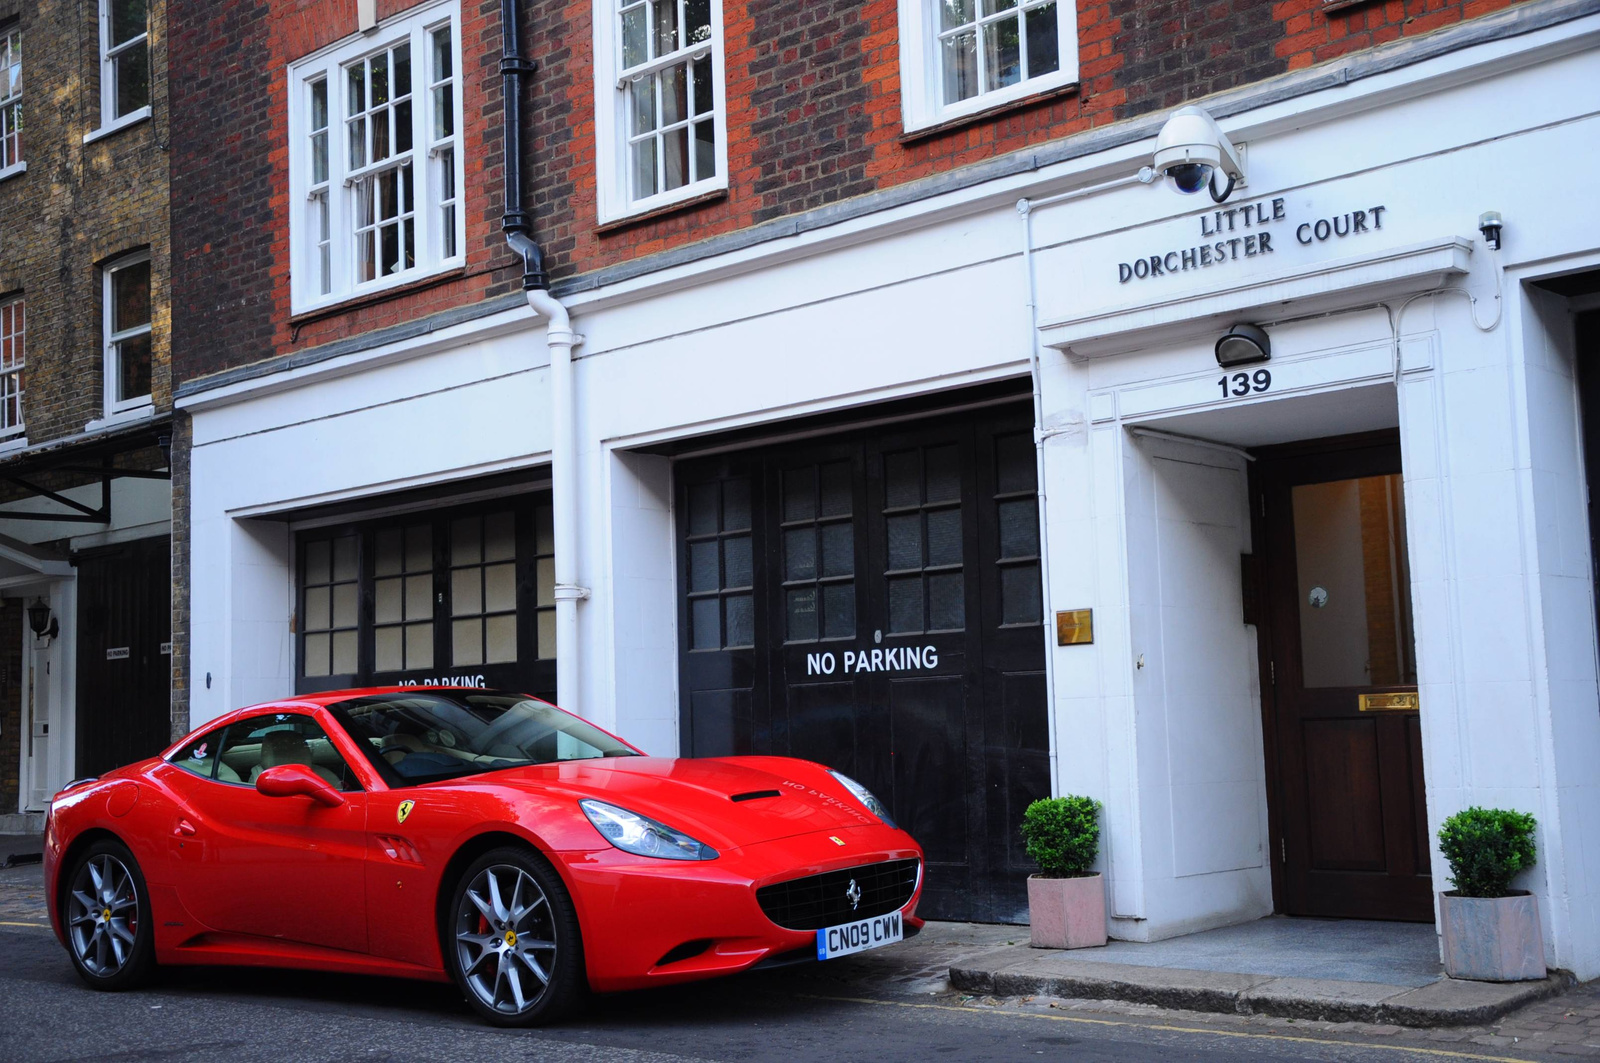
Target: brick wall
(77, 206)
(814, 117)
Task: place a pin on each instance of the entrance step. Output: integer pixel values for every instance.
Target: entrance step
(1020, 970)
(22, 823)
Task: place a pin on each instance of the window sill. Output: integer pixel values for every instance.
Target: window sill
(120, 417)
(1333, 7)
(987, 114)
(628, 221)
(14, 171)
(11, 444)
(357, 301)
(130, 119)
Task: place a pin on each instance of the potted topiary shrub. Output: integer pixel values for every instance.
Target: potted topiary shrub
(1066, 901)
(1491, 931)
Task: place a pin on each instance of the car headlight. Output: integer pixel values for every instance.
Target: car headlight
(864, 795)
(642, 836)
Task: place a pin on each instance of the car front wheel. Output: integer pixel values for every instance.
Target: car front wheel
(107, 913)
(513, 944)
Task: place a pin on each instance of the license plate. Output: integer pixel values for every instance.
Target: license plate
(847, 938)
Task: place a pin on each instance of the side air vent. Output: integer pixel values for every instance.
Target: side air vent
(755, 795)
(687, 951)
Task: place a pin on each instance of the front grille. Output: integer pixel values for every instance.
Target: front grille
(817, 901)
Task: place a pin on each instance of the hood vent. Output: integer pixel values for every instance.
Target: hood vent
(755, 795)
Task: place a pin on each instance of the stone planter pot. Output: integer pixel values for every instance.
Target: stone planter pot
(1492, 939)
(1066, 913)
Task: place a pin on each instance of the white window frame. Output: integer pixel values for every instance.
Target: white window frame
(110, 121)
(9, 99)
(921, 86)
(111, 341)
(10, 434)
(612, 160)
(415, 25)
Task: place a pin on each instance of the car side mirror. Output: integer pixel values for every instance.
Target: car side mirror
(288, 780)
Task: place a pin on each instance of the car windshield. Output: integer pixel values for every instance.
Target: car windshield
(447, 734)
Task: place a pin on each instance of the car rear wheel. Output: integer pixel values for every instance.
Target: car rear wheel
(513, 944)
(106, 909)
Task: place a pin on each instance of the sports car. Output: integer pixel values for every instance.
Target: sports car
(460, 834)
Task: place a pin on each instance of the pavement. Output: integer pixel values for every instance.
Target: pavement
(895, 1004)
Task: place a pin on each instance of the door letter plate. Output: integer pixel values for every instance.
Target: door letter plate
(1390, 702)
(1074, 627)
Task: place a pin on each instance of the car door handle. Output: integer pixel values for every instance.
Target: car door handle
(184, 829)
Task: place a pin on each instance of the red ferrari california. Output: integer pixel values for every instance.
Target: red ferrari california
(488, 838)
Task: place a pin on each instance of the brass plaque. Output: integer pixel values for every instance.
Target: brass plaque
(1074, 627)
(1391, 702)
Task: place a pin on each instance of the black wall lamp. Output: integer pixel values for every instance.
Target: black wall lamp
(1243, 345)
(40, 622)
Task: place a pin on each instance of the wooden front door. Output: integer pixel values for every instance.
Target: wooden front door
(872, 602)
(1344, 728)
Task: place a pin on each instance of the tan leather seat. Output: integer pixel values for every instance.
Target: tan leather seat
(287, 747)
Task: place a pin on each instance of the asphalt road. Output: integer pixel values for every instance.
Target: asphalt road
(840, 1011)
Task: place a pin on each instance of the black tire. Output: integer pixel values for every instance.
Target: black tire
(488, 950)
(105, 911)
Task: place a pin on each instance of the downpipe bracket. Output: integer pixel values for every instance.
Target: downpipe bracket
(569, 592)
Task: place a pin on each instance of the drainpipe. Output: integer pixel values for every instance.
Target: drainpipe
(560, 339)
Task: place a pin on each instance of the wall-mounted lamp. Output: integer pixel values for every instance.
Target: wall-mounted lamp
(1242, 345)
(1489, 224)
(40, 622)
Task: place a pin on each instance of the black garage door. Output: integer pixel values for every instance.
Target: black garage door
(873, 603)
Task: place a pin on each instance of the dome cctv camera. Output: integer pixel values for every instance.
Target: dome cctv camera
(1191, 148)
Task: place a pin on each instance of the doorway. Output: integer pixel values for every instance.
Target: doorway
(1342, 715)
(872, 602)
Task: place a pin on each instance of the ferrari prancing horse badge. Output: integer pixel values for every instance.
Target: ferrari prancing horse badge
(403, 811)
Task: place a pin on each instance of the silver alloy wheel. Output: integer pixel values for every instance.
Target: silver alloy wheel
(505, 938)
(103, 915)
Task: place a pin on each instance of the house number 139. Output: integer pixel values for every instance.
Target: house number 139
(1240, 384)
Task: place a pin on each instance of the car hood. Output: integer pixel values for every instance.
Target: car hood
(726, 801)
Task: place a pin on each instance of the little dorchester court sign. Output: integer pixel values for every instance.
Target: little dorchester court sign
(1248, 231)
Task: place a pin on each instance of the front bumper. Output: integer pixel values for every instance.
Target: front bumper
(703, 917)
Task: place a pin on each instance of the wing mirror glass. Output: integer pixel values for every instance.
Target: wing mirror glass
(290, 780)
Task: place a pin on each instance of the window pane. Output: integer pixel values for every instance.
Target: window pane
(464, 542)
(547, 635)
(466, 642)
(419, 646)
(378, 81)
(960, 54)
(838, 610)
(402, 71)
(1019, 528)
(945, 606)
(802, 614)
(836, 489)
(1015, 463)
(499, 537)
(545, 581)
(634, 48)
(644, 168)
(319, 611)
(129, 18)
(501, 634)
(319, 104)
(838, 549)
(675, 94)
(130, 296)
(386, 594)
(344, 605)
(703, 573)
(444, 112)
(1002, 54)
(1044, 41)
(419, 548)
(500, 588)
(419, 597)
(466, 591)
(905, 541)
(736, 562)
(705, 150)
(703, 88)
(953, 13)
(1020, 600)
(944, 474)
(697, 20)
(388, 649)
(316, 655)
(799, 494)
(675, 158)
(665, 37)
(905, 604)
(800, 553)
(704, 501)
(344, 652)
(944, 537)
(705, 623)
(992, 6)
(442, 56)
(402, 126)
(736, 505)
(344, 558)
(133, 367)
(544, 534)
(318, 561)
(741, 629)
(902, 476)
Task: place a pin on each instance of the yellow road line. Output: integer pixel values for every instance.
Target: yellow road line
(1445, 1053)
(44, 925)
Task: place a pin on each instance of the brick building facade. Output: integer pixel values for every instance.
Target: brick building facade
(84, 280)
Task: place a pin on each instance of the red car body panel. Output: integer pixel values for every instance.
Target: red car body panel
(239, 878)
